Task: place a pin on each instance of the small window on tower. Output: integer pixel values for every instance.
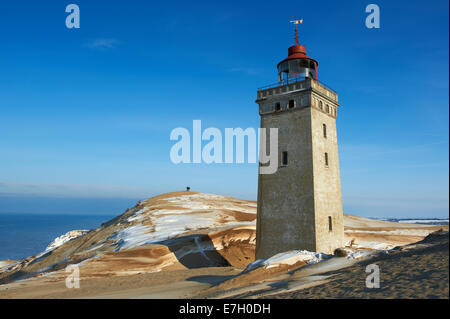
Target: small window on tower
(324, 130)
(330, 223)
(328, 108)
(321, 105)
(284, 158)
(291, 104)
(326, 159)
(277, 107)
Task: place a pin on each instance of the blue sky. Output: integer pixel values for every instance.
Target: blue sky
(86, 113)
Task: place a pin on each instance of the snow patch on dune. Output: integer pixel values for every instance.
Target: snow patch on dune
(375, 245)
(410, 232)
(295, 256)
(150, 225)
(424, 221)
(210, 202)
(288, 258)
(166, 227)
(8, 265)
(58, 241)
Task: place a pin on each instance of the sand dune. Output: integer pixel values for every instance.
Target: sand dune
(175, 235)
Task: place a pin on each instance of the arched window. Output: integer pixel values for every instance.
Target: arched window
(328, 108)
(324, 130)
(277, 106)
(321, 105)
(291, 104)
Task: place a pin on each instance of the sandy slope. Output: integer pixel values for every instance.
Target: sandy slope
(166, 241)
(414, 271)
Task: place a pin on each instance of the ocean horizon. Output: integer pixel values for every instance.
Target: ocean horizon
(24, 234)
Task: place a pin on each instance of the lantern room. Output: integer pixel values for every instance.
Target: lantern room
(297, 64)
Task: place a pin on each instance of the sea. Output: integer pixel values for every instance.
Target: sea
(24, 235)
(28, 224)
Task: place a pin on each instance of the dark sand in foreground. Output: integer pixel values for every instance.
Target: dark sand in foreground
(416, 273)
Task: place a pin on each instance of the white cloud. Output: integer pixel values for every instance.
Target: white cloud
(103, 43)
(247, 71)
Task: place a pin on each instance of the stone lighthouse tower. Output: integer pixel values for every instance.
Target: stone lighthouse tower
(300, 205)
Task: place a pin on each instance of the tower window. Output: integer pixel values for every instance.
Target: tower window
(326, 159)
(328, 108)
(321, 105)
(330, 223)
(284, 158)
(324, 130)
(277, 107)
(291, 104)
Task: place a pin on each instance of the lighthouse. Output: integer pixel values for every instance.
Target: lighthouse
(300, 205)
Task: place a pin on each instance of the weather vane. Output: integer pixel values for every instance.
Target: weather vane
(295, 22)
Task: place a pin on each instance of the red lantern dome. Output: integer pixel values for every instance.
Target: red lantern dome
(297, 64)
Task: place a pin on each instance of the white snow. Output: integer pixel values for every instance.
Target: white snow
(294, 256)
(358, 253)
(138, 216)
(165, 227)
(288, 258)
(372, 245)
(198, 202)
(423, 221)
(405, 231)
(64, 239)
(8, 265)
(195, 214)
